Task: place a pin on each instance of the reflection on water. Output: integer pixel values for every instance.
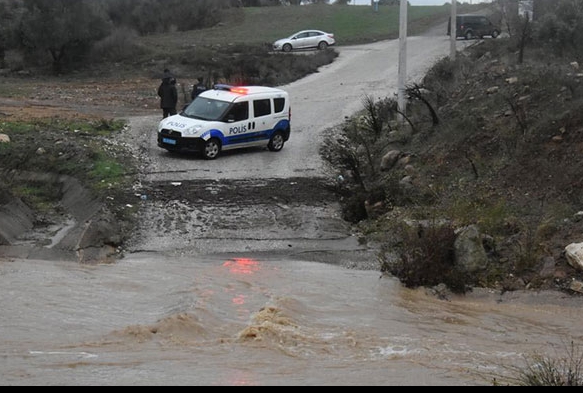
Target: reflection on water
(242, 266)
(152, 320)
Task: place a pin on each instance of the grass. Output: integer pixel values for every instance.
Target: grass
(106, 171)
(263, 25)
(565, 368)
(74, 148)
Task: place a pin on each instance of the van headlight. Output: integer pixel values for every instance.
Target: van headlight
(192, 131)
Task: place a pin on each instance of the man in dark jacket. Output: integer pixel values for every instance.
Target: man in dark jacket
(168, 94)
(197, 88)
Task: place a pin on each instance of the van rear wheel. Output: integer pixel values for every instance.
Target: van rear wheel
(276, 142)
(212, 149)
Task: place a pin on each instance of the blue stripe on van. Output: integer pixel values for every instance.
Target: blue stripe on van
(248, 137)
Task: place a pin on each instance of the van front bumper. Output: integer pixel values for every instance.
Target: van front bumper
(173, 141)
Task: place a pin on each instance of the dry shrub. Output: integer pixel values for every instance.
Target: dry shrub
(427, 258)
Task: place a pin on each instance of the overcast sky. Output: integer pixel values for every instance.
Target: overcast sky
(424, 2)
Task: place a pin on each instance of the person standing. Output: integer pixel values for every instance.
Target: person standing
(168, 94)
(197, 88)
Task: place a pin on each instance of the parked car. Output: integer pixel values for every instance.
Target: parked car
(474, 26)
(305, 39)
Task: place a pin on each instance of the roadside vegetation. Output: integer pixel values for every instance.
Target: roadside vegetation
(490, 141)
(564, 369)
(41, 152)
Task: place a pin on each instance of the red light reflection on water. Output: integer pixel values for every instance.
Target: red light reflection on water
(242, 266)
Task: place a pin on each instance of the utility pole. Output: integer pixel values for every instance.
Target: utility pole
(401, 100)
(453, 31)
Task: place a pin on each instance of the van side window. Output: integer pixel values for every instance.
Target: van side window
(262, 107)
(279, 104)
(239, 112)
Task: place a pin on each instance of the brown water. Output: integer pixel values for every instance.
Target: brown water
(156, 320)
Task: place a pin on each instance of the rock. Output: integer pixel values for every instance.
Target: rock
(469, 250)
(549, 267)
(390, 160)
(4, 138)
(576, 286)
(574, 255)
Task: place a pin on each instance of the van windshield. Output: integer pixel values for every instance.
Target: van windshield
(206, 109)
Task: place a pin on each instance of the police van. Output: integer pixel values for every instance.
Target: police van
(229, 117)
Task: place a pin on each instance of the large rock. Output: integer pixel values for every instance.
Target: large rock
(390, 160)
(469, 250)
(574, 255)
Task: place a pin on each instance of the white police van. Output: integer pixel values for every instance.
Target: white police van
(229, 117)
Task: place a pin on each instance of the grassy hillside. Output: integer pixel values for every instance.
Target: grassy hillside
(350, 24)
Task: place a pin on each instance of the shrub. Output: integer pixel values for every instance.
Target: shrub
(427, 258)
(540, 370)
(119, 45)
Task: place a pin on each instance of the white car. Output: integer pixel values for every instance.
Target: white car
(305, 39)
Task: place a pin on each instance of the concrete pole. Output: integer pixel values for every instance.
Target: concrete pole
(453, 31)
(401, 99)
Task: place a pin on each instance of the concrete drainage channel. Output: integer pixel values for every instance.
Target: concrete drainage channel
(81, 233)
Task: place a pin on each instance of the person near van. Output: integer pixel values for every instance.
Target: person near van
(168, 94)
(197, 88)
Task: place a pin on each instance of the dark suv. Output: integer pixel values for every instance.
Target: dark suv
(474, 26)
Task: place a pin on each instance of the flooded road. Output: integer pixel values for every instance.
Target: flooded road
(246, 321)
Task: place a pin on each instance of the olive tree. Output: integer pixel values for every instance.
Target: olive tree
(63, 29)
(9, 16)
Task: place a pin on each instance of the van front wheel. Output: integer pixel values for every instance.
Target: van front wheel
(212, 149)
(276, 142)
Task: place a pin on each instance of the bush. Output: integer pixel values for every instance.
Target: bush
(119, 45)
(427, 258)
(565, 370)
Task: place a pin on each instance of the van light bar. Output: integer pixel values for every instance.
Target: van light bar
(232, 89)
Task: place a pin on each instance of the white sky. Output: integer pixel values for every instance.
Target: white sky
(425, 2)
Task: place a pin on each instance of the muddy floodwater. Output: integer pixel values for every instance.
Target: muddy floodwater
(248, 321)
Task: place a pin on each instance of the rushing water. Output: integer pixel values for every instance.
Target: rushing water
(156, 320)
